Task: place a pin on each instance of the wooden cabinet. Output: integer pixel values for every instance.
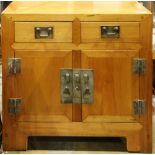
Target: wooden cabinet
(79, 69)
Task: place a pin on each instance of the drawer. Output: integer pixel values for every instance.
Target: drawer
(43, 31)
(110, 31)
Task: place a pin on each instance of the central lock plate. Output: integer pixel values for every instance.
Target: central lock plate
(77, 86)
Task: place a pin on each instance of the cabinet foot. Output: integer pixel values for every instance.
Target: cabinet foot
(134, 143)
(18, 142)
(21, 142)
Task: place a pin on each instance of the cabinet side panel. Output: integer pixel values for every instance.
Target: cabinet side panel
(7, 83)
(146, 81)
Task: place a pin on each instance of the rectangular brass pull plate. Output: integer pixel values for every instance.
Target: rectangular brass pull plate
(43, 32)
(76, 86)
(110, 31)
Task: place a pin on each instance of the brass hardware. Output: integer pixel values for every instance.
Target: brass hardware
(43, 32)
(66, 85)
(139, 107)
(85, 78)
(67, 77)
(76, 86)
(77, 76)
(66, 92)
(110, 31)
(87, 86)
(14, 65)
(14, 105)
(139, 66)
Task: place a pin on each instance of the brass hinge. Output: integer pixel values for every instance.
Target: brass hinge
(14, 105)
(139, 66)
(14, 65)
(139, 107)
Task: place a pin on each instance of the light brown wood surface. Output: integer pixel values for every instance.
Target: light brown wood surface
(76, 31)
(77, 44)
(7, 84)
(146, 82)
(77, 108)
(113, 75)
(38, 86)
(132, 131)
(25, 31)
(76, 8)
(69, 11)
(91, 32)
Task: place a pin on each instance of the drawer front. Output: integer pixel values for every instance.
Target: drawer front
(43, 31)
(110, 31)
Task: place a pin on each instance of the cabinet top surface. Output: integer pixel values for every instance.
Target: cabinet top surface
(75, 8)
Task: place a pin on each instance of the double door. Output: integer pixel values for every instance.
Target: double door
(39, 86)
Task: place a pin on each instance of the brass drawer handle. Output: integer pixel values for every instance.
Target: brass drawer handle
(43, 32)
(110, 31)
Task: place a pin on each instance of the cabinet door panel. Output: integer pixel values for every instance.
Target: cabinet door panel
(115, 86)
(38, 85)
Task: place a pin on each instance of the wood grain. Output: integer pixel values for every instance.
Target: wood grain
(25, 31)
(146, 82)
(84, 46)
(84, 11)
(127, 130)
(76, 28)
(7, 83)
(91, 32)
(115, 85)
(38, 85)
(72, 129)
(77, 46)
(77, 108)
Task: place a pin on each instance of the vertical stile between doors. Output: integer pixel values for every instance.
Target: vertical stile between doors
(77, 108)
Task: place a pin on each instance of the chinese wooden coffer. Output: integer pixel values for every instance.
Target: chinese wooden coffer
(77, 69)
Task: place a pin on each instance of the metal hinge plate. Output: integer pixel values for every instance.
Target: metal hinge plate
(14, 65)
(14, 105)
(139, 66)
(139, 107)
